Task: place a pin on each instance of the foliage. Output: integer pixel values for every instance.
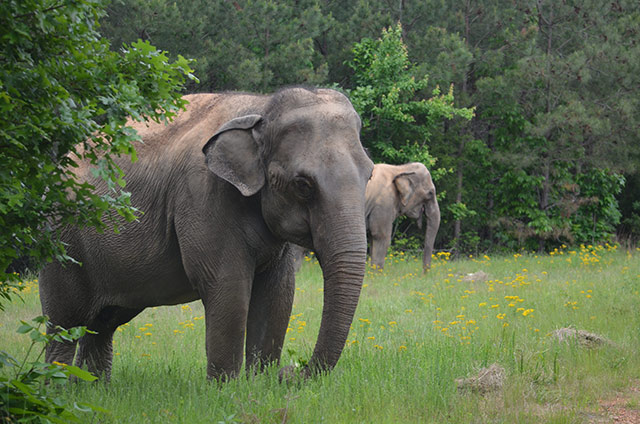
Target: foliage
(460, 211)
(632, 222)
(26, 385)
(65, 97)
(597, 218)
(407, 244)
(253, 45)
(403, 238)
(551, 124)
(583, 208)
(397, 121)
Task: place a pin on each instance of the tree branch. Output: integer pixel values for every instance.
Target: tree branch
(49, 9)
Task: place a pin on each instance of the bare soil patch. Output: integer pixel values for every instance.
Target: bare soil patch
(622, 408)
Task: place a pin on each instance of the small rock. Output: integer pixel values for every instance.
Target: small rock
(477, 277)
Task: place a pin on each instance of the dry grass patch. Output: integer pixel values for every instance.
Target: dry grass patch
(487, 380)
(582, 337)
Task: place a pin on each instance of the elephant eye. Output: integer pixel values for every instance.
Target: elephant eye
(303, 187)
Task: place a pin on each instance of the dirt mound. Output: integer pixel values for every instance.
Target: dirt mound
(487, 380)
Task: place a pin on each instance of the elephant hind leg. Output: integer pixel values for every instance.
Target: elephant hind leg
(96, 350)
(65, 304)
(61, 352)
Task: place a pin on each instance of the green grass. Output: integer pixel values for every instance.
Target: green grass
(412, 337)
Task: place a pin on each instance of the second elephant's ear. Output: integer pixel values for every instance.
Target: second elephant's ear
(232, 154)
(404, 186)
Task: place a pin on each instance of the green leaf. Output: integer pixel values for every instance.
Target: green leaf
(80, 373)
(25, 328)
(23, 388)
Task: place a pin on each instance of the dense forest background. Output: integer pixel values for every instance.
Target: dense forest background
(526, 112)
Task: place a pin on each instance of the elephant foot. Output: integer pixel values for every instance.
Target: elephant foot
(292, 374)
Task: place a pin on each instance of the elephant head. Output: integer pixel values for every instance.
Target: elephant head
(417, 196)
(301, 155)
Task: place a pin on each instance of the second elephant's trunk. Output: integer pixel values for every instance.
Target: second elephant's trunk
(432, 212)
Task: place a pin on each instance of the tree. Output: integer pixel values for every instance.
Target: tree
(459, 43)
(253, 45)
(398, 119)
(571, 116)
(65, 96)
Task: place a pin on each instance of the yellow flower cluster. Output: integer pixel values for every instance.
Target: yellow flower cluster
(145, 330)
(295, 323)
(26, 287)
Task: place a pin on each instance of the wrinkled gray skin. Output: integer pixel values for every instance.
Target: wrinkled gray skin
(396, 190)
(223, 188)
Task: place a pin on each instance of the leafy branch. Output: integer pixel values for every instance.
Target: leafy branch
(26, 395)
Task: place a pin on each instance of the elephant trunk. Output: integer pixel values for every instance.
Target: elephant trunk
(432, 212)
(342, 252)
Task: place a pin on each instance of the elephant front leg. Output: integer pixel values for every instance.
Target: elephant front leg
(379, 247)
(380, 242)
(226, 318)
(380, 226)
(269, 312)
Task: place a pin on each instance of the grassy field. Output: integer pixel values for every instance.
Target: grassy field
(412, 337)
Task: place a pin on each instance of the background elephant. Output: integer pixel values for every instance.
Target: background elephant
(395, 190)
(277, 168)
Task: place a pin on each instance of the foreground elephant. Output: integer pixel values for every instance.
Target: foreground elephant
(396, 190)
(278, 168)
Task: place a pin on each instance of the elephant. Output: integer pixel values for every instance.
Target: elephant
(395, 190)
(223, 189)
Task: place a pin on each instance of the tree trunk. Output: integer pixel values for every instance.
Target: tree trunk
(457, 225)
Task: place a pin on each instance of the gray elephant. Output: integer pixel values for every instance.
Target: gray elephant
(276, 168)
(396, 190)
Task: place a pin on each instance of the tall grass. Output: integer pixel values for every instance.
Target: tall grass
(412, 337)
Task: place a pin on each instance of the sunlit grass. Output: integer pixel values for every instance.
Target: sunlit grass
(412, 336)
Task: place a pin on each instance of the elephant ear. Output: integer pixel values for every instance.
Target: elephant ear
(232, 154)
(404, 186)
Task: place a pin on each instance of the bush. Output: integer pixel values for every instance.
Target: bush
(25, 385)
